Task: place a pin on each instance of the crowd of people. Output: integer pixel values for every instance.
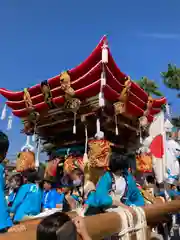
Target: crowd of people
(28, 194)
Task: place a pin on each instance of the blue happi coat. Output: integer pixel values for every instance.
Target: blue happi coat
(60, 198)
(102, 198)
(171, 193)
(5, 220)
(49, 199)
(11, 197)
(27, 202)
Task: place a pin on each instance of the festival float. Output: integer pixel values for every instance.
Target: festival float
(94, 91)
(92, 109)
(94, 105)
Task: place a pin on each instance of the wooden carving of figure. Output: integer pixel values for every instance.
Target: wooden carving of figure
(47, 93)
(65, 82)
(149, 105)
(27, 100)
(125, 91)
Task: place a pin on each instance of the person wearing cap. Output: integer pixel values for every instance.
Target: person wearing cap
(28, 199)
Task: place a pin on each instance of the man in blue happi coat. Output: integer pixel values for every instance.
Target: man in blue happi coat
(5, 220)
(116, 187)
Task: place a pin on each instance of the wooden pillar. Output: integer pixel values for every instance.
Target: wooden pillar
(103, 225)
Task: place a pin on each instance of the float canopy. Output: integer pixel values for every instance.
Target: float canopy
(86, 82)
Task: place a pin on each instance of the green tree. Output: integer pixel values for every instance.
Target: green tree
(176, 122)
(171, 78)
(149, 86)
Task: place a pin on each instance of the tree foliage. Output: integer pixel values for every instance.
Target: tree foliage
(171, 78)
(149, 86)
(176, 122)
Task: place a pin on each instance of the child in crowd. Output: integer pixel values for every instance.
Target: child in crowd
(49, 195)
(77, 178)
(116, 187)
(66, 199)
(172, 191)
(28, 199)
(60, 226)
(15, 182)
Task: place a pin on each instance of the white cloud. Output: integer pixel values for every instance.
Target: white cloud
(175, 36)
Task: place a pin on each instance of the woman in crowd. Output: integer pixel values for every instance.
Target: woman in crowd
(28, 199)
(116, 187)
(77, 178)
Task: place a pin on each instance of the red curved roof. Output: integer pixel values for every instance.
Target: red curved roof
(86, 81)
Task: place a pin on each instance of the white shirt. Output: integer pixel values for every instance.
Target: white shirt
(120, 184)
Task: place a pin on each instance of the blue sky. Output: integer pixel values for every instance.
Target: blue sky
(40, 38)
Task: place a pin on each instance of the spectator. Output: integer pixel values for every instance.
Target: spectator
(59, 226)
(49, 195)
(28, 199)
(5, 220)
(15, 182)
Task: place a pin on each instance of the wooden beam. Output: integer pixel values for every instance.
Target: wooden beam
(110, 223)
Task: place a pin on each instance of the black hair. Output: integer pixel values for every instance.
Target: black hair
(49, 227)
(31, 175)
(118, 162)
(150, 179)
(4, 145)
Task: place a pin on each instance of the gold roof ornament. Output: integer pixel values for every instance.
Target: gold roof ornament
(65, 81)
(125, 92)
(27, 99)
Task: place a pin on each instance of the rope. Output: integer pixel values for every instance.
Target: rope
(141, 224)
(127, 223)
